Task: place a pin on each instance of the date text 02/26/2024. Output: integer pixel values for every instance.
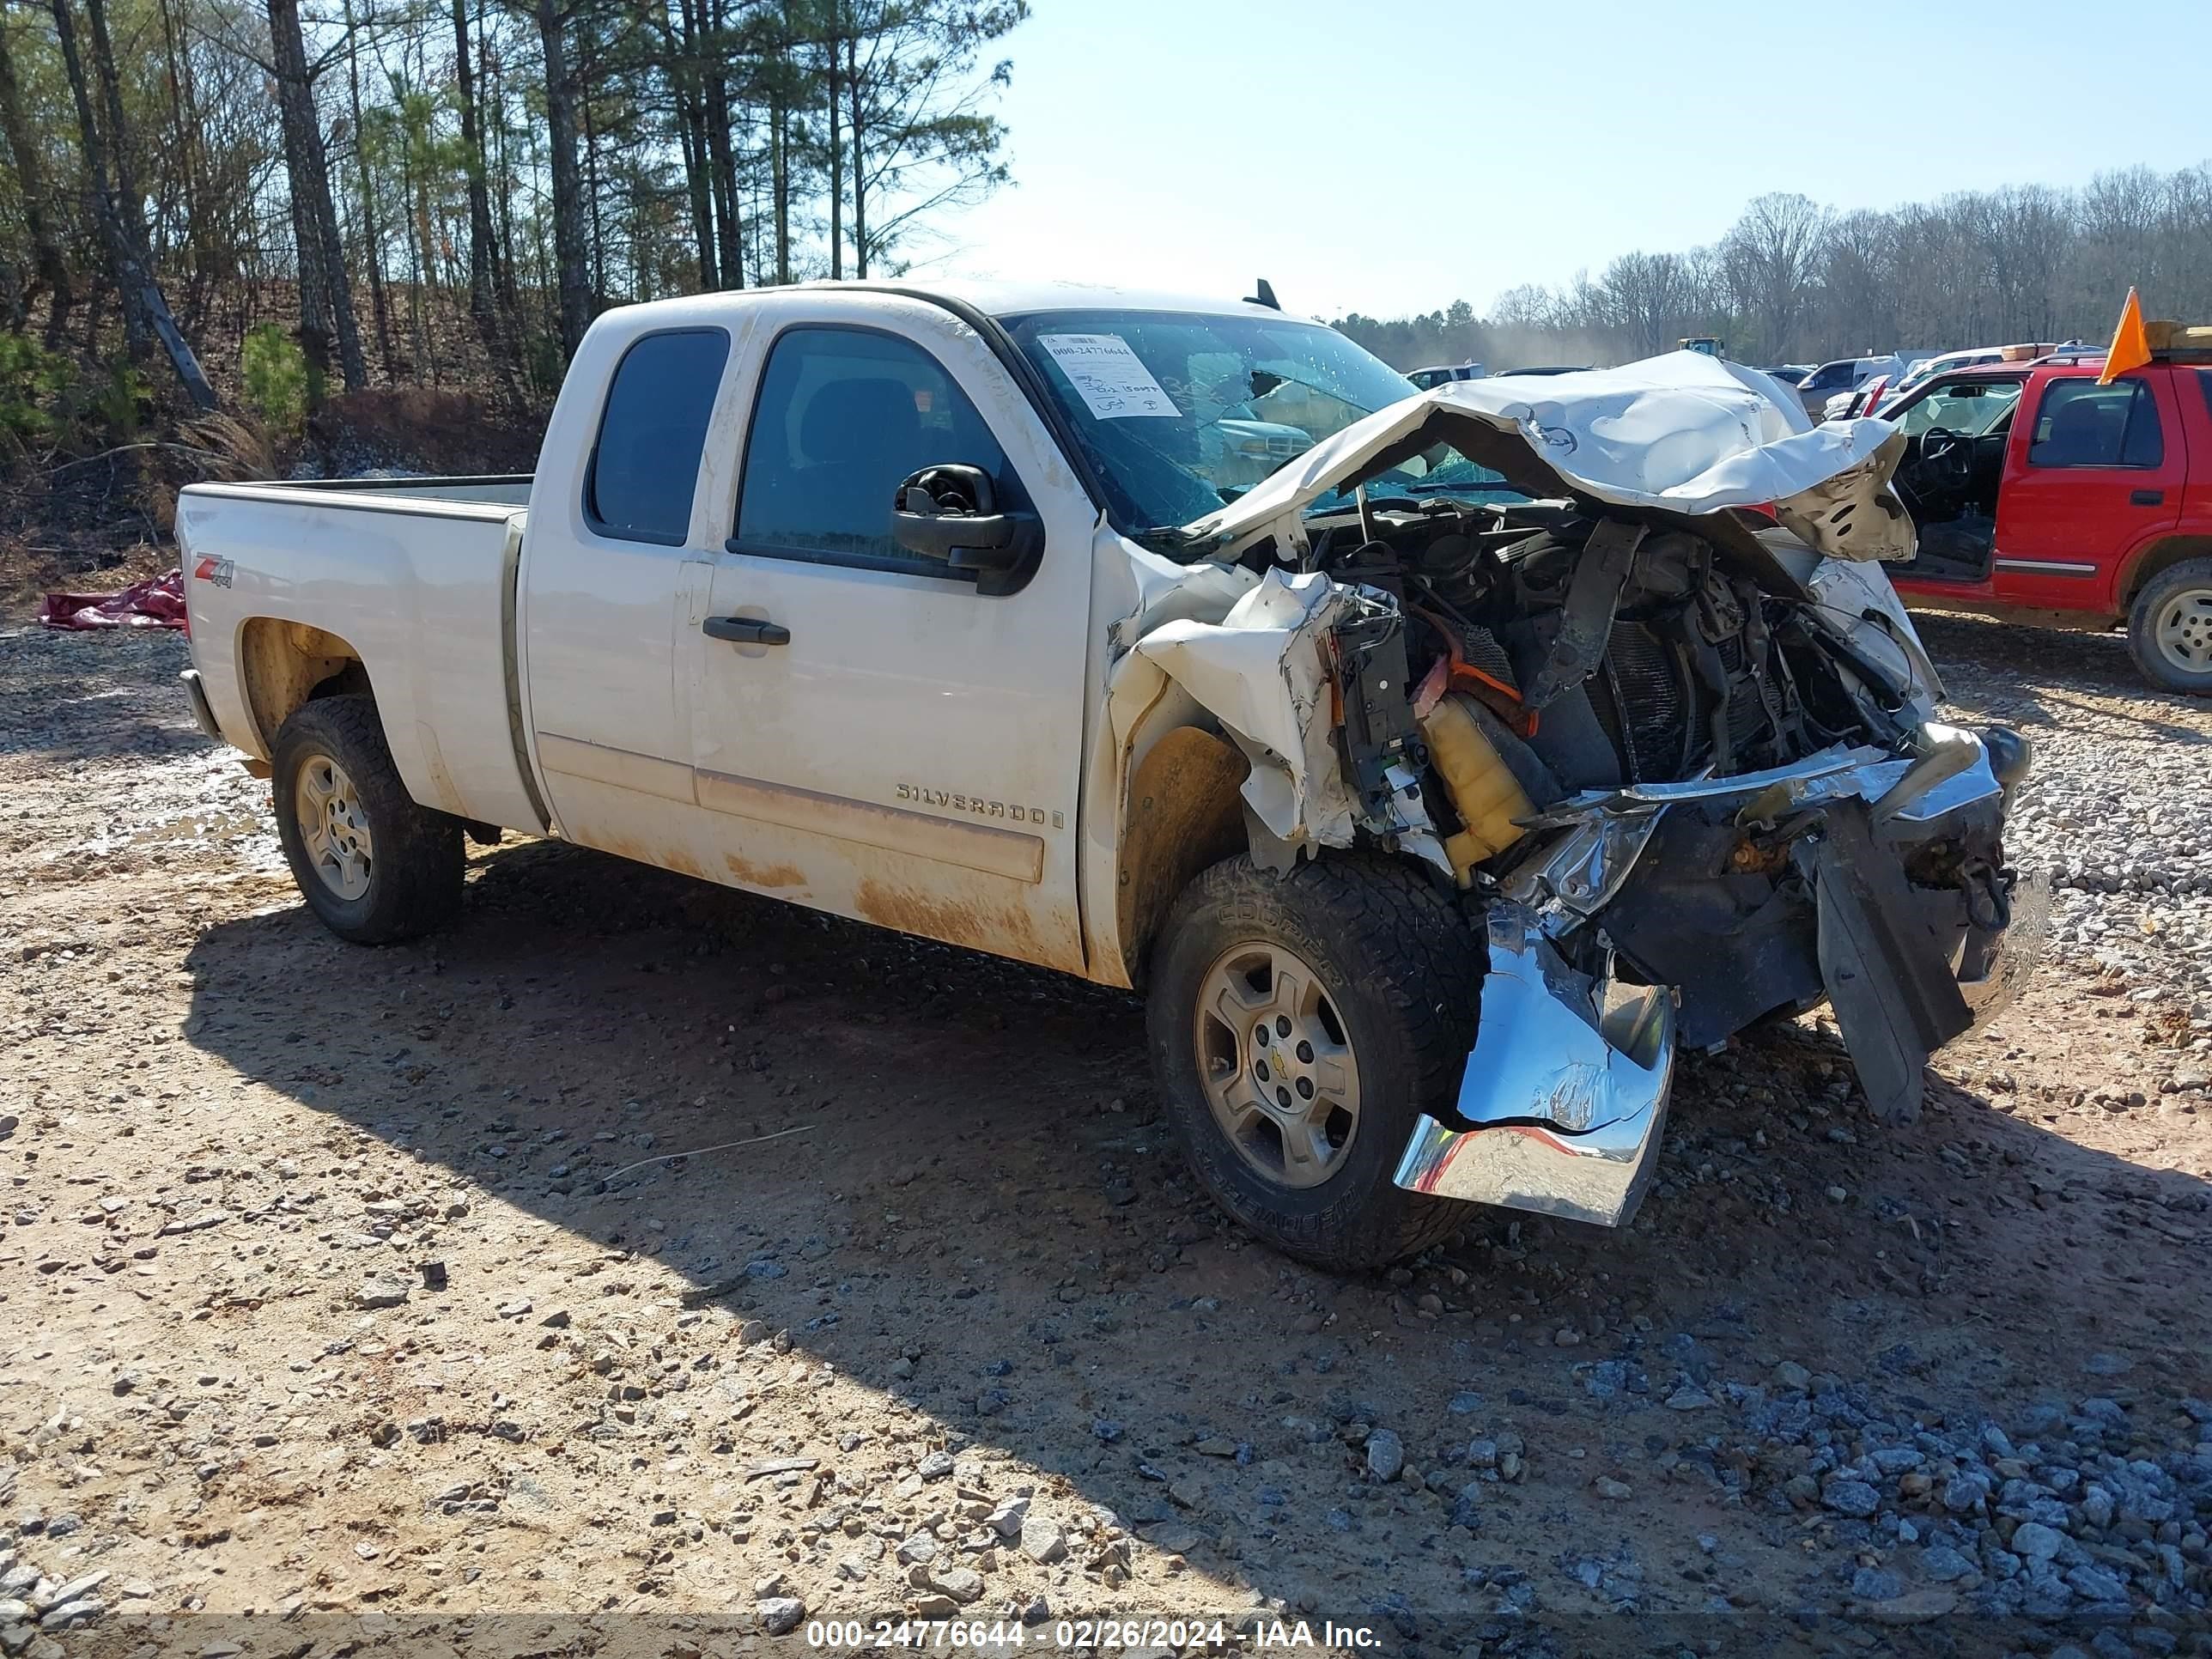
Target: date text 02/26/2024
(1099, 1636)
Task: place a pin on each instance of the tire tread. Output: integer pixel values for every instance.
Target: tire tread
(420, 861)
(2142, 614)
(1412, 951)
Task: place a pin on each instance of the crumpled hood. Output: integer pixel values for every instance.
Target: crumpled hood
(1680, 434)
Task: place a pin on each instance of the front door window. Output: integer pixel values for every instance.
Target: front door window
(844, 416)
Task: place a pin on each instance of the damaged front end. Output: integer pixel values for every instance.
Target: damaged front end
(1872, 880)
(1681, 760)
(1565, 1093)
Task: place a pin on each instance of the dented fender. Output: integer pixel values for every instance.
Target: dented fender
(1263, 671)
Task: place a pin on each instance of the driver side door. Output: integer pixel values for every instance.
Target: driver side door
(1955, 433)
(872, 734)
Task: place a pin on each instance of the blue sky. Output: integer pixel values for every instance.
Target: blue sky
(1392, 156)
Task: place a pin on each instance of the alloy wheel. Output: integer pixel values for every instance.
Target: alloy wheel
(334, 827)
(1277, 1064)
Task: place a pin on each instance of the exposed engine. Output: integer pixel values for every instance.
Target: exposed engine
(1618, 654)
(1682, 759)
(1593, 703)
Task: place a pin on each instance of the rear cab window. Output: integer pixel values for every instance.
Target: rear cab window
(2080, 423)
(644, 468)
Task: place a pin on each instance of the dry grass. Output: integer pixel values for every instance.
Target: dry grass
(230, 448)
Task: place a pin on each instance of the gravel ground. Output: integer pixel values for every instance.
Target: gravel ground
(341, 1309)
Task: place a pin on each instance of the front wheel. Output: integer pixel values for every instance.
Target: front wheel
(1299, 1027)
(374, 863)
(2170, 627)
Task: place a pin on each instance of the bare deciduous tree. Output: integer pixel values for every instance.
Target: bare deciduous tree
(1792, 281)
(48, 265)
(1768, 260)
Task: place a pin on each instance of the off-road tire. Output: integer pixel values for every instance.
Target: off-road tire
(1404, 972)
(2142, 628)
(415, 878)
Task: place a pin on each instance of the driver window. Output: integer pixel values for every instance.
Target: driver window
(843, 417)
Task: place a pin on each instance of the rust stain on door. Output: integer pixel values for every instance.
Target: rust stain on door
(1003, 930)
(763, 875)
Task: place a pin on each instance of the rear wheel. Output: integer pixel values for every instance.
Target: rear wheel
(2170, 627)
(1299, 1027)
(373, 864)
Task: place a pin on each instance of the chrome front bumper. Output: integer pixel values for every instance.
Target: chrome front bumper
(1566, 1088)
(1566, 1092)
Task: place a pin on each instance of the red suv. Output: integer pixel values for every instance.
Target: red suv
(2041, 497)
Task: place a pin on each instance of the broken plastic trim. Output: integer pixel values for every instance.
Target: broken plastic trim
(1566, 1090)
(1585, 868)
(1606, 831)
(1886, 967)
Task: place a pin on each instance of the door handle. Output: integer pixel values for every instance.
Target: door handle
(745, 631)
(2146, 498)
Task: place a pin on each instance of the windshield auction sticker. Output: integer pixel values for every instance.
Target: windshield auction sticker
(1112, 380)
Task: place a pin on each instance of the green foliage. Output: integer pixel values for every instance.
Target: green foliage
(32, 381)
(542, 363)
(113, 400)
(274, 374)
(48, 397)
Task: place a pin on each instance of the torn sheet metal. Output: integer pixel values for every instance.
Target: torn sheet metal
(1263, 671)
(1860, 607)
(1166, 590)
(1565, 1094)
(1885, 960)
(1683, 434)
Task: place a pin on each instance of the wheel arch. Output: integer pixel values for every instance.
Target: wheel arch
(2158, 556)
(283, 665)
(1180, 804)
(1182, 811)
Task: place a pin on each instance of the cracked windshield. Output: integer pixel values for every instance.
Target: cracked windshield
(1179, 413)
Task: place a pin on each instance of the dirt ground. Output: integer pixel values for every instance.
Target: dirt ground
(342, 1310)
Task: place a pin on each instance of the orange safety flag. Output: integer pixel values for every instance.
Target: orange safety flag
(2130, 349)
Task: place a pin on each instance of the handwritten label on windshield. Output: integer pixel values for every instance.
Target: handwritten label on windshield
(1111, 379)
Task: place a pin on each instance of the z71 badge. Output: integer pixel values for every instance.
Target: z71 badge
(220, 572)
(979, 807)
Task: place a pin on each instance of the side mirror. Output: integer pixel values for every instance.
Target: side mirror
(951, 513)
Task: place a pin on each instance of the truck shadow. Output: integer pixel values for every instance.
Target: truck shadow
(985, 1219)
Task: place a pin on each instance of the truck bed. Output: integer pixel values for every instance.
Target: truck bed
(416, 577)
(492, 488)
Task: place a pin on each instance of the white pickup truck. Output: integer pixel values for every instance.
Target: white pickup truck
(1438, 763)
